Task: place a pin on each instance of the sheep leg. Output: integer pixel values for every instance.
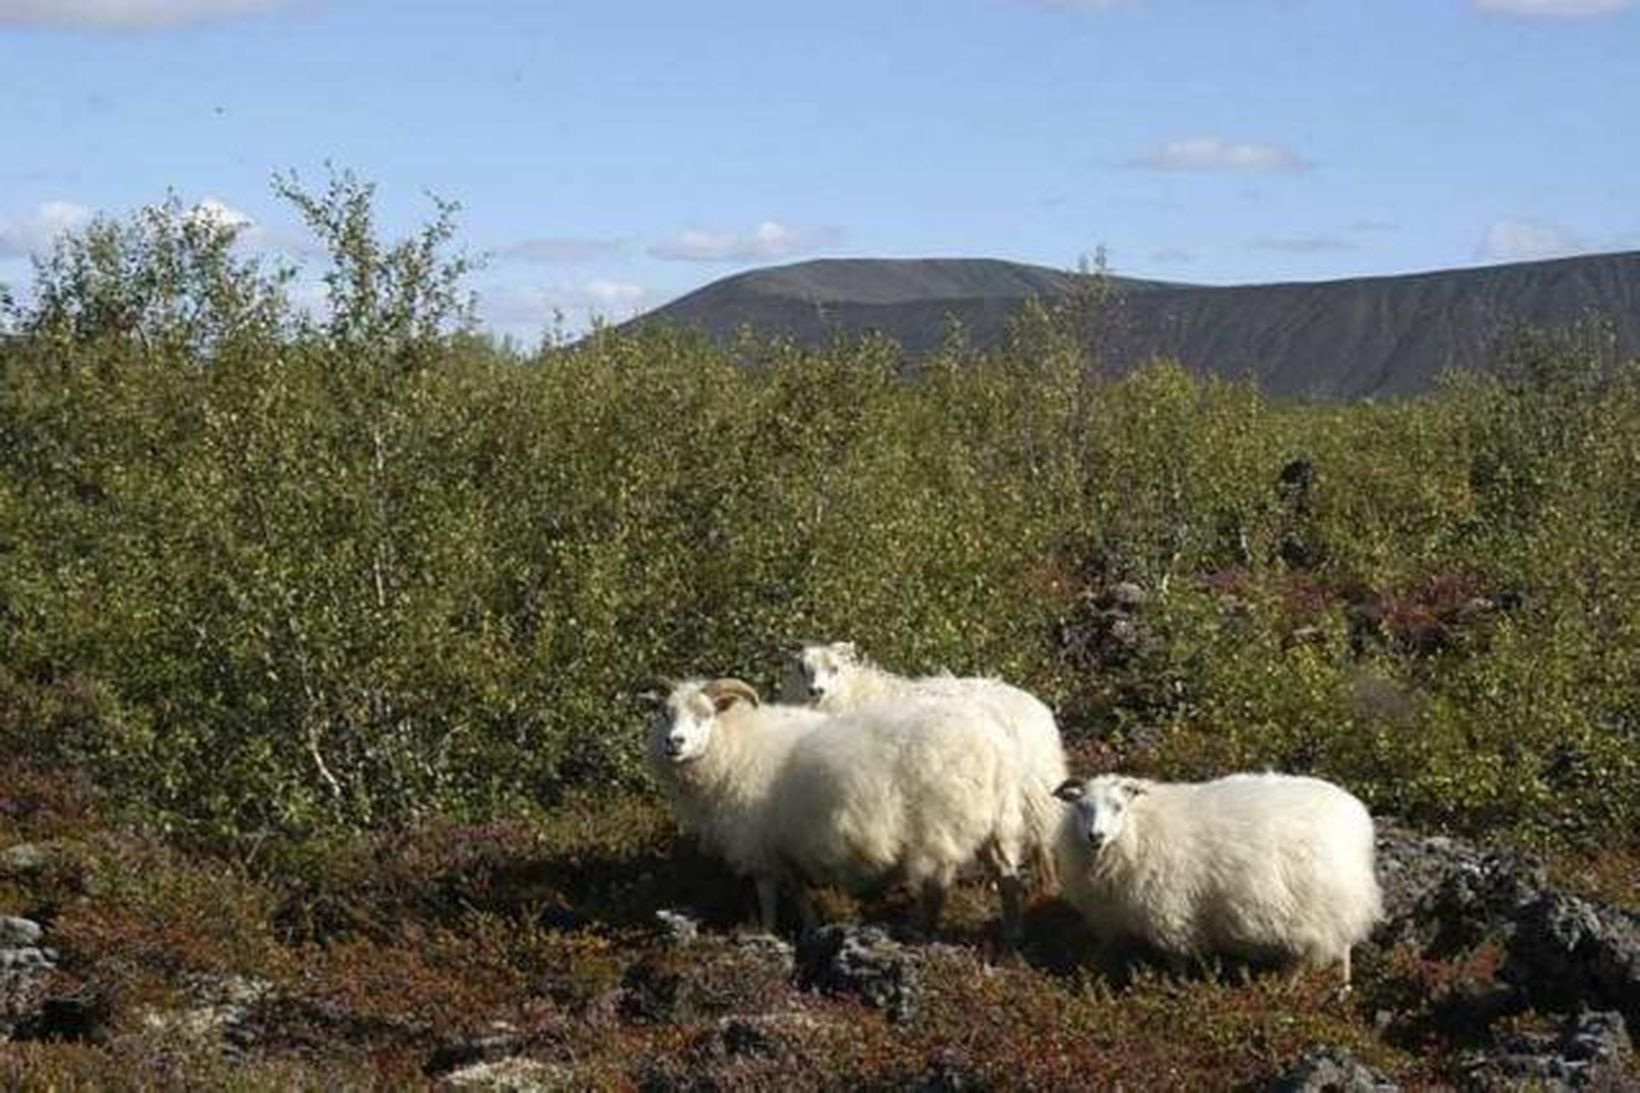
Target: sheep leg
(1011, 887)
(768, 902)
(931, 904)
(806, 913)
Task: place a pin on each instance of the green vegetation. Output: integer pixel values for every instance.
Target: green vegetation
(322, 640)
(269, 575)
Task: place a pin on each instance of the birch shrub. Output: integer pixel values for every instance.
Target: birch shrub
(270, 574)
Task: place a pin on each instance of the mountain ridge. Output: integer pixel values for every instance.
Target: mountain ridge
(1384, 335)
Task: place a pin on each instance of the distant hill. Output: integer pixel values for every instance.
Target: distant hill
(1356, 338)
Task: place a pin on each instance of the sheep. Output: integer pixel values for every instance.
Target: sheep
(1257, 866)
(910, 791)
(719, 771)
(837, 677)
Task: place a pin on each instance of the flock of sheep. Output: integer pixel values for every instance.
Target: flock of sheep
(861, 777)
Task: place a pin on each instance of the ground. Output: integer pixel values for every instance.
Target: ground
(598, 950)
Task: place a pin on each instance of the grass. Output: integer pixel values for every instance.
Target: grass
(363, 963)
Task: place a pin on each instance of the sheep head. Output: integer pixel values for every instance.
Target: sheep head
(819, 670)
(1102, 806)
(682, 732)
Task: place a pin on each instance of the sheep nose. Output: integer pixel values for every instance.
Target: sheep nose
(1095, 839)
(674, 745)
(816, 691)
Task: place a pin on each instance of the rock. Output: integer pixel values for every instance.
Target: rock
(766, 948)
(222, 1008)
(1588, 1053)
(863, 961)
(948, 1075)
(653, 992)
(1561, 955)
(15, 932)
(1295, 479)
(25, 968)
(1123, 632)
(501, 1043)
(748, 1039)
(1567, 953)
(1444, 895)
(1331, 1070)
(1296, 552)
(678, 927)
(80, 1019)
(30, 957)
(513, 1075)
(1125, 596)
(23, 860)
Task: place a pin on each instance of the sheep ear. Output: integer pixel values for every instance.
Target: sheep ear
(847, 649)
(1070, 790)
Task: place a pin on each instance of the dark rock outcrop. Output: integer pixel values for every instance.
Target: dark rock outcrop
(1331, 1070)
(863, 961)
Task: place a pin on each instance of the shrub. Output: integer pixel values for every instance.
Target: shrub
(267, 574)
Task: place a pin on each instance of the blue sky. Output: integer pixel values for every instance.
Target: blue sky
(609, 156)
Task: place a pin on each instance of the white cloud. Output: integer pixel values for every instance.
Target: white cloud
(36, 232)
(1523, 240)
(558, 249)
(614, 294)
(251, 233)
(1552, 9)
(125, 14)
(533, 307)
(222, 215)
(1218, 154)
(767, 242)
(1301, 244)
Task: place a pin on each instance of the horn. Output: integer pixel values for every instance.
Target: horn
(723, 693)
(1070, 790)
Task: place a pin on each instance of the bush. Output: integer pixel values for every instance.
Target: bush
(269, 574)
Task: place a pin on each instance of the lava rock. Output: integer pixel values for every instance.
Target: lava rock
(25, 958)
(678, 927)
(514, 1075)
(1567, 953)
(1443, 895)
(652, 992)
(23, 860)
(862, 961)
(1331, 1070)
(18, 932)
(746, 1039)
(1587, 1053)
(80, 1019)
(1125, 596)
(503, 1042)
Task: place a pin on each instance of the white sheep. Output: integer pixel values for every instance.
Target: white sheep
(836, 677)
(910, 792)
(1258, 866)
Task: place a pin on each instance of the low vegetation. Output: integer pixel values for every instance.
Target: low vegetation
(323, 640)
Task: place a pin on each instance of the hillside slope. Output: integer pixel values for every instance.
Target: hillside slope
(1355, 338)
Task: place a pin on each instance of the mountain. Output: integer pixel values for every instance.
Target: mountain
(1347, 339)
